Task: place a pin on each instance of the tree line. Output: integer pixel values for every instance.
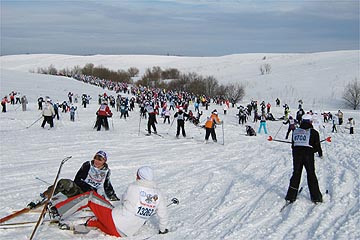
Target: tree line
(168, 79)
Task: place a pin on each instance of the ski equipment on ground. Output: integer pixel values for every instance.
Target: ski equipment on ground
(42, 214)
(29, 207)
(147, 134)
(34, 122)
(289, 202)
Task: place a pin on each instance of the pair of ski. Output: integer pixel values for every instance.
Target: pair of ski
(44, 202)
(31, 206)
(289, 202)
(47, 201)
(155, 133)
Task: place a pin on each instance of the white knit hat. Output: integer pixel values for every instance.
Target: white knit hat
(306, 118)
(145, 173)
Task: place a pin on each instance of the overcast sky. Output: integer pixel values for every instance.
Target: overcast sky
(184, 27)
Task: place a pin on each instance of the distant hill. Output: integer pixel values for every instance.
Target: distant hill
(317, 78)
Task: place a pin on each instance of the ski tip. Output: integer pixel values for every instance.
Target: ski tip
(270, 138)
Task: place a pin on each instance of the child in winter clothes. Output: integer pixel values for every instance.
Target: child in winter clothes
(292, 122)
(351, 123)
(72, 113)
(210, 126)
(262, 123)
(167, 115)
(250, 131)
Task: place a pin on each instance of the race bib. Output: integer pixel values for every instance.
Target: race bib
(147, 205)
(96, 177)
(301, 137)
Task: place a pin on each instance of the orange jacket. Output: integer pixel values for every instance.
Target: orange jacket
(212, 120)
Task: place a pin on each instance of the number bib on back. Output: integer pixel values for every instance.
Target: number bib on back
(301, 137)
(148, 202)
(180, 116)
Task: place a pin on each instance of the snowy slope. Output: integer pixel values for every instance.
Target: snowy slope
(230, 191)
(293, 76)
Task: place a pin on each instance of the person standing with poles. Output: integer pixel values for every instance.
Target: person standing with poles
(3, 103)
(167, 115)
(210, 124)
(102, 115)
(262, 123)
(152, 117)
(292, 122)
(180, 115)
(48, 114)
(24, 101)
(305, 142)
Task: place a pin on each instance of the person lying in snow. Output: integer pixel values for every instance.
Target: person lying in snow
(141, 200)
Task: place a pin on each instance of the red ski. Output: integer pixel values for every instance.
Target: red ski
(30, 207)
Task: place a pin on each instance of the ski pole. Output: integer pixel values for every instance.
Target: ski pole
(223, 135)
(174, 201)
(278, 131)
(37, 178)
(34, 122)
(41, 217)
(270, 138)
(167, 132)
(139, 124)
(17, 107)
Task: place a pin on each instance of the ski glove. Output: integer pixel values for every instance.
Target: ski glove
(164, 232)
(114, 198)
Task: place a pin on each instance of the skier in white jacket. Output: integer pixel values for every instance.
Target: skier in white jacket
(141, 200)
(48, 112)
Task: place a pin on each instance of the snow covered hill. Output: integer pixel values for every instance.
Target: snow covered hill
(230, 191)
(293, 76)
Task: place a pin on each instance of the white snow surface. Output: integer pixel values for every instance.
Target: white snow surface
(230, 191)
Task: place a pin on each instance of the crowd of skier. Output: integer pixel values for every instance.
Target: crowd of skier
(172, 106)
(179, 105)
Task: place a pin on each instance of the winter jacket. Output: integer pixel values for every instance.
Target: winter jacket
(104, 111)
(292, 122)
(48, 110)
(90, 178)
(212, 121)
(141, 200)
(181, 116)
(306, 139)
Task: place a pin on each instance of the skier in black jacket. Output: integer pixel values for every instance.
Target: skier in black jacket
(305, 142)
(92, 176)
(180, 115)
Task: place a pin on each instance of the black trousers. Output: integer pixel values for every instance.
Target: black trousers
(151, 123)
(212, 132)
(303, 158)
(49, 120)
(180, 125)
(101, 120)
